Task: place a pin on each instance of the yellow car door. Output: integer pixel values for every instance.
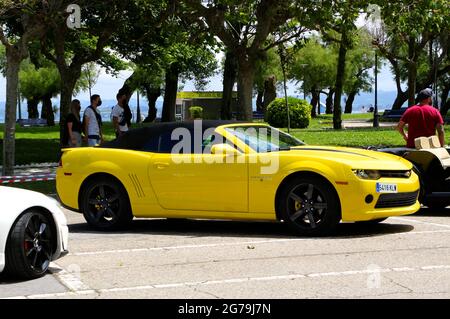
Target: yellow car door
(201, 182)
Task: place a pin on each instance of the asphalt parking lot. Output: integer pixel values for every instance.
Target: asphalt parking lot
(406, 257)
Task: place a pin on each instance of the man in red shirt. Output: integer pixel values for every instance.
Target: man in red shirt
(422, 120)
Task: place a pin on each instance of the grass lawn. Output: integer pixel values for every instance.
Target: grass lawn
(41, 144)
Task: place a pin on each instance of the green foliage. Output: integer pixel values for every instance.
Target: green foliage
(359, 62)
(2, 59)
(299, 111)
(196, 112)
(314, 65)
(38, 82)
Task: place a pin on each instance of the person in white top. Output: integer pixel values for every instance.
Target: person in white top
(118, 115)
(93, 122)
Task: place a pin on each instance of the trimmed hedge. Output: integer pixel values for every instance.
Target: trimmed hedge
(196, 112)
(300, 113)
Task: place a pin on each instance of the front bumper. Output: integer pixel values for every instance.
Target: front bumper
(355, 207)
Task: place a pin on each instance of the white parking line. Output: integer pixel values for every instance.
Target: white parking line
(273, 241)
(236, 280)
(70, 279)
(419, 222)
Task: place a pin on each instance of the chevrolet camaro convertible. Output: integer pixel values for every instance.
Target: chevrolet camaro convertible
(33, 232)
(226, 170)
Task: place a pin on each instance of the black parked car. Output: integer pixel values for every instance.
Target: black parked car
(432, 164)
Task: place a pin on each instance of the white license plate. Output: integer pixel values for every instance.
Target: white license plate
(386, 188)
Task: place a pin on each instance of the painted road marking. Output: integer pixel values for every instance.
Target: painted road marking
(235, 280)
(419, 222)
(70, 279)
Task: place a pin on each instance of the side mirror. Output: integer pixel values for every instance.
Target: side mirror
(224, 149)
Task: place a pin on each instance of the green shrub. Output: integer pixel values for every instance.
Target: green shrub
(196, 112)
(300, 113)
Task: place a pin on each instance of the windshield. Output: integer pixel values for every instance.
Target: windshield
(264, 138)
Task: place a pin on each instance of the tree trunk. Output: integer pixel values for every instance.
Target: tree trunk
(270, 91)
(32, 108)
(245, 88)
(314, 101)
(153, 93)
(337, 121)
(318, 103)
(329, 102)
(349, 102)
(260, 100)
(9, 134)
(47, 110)
(170, 94)
(229, 78)
(67, 87)
(412, 71)
(401, 98)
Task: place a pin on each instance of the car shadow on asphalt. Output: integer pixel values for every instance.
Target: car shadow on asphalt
(436, 212)
(208, 228)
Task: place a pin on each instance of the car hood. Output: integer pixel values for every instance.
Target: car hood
(354, 157)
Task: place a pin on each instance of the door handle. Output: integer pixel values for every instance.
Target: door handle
(161, 165)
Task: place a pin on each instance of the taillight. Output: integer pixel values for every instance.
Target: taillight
(60, 163)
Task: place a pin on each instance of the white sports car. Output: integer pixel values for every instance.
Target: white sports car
(33, 232)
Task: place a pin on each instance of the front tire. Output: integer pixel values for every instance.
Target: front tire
(105, 204)
(310, 206)
(30, 246)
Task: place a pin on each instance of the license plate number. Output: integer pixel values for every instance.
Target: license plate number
(386, 188)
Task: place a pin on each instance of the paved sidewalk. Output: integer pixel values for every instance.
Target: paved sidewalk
(365, 123)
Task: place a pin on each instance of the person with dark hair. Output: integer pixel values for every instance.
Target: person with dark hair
(422, 119)
(118, 115)
(73, 129)
(92, 122)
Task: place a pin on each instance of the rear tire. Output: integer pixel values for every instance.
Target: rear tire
(30, 246)
(105, 204)
(310, 206)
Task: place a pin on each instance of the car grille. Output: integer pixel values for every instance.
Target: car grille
(397, 200)
(396, 174)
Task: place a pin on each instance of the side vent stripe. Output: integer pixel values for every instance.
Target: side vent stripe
(137, 185)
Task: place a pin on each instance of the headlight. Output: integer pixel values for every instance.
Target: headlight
(367, 173)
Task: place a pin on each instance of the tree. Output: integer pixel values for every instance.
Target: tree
(359, 61)
(70, 49)
(20, 22)
(339, 26)
(411, 25)
(244, 29)
(39, 84)
(315, 66)
(268, 73)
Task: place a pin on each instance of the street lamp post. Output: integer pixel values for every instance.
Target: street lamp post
(282, 54)
(376, 122)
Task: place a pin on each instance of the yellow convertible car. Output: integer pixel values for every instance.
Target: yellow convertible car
(232, 170)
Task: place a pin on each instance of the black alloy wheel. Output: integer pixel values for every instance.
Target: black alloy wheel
(105, 204)
(310, 206)
(31, 245)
